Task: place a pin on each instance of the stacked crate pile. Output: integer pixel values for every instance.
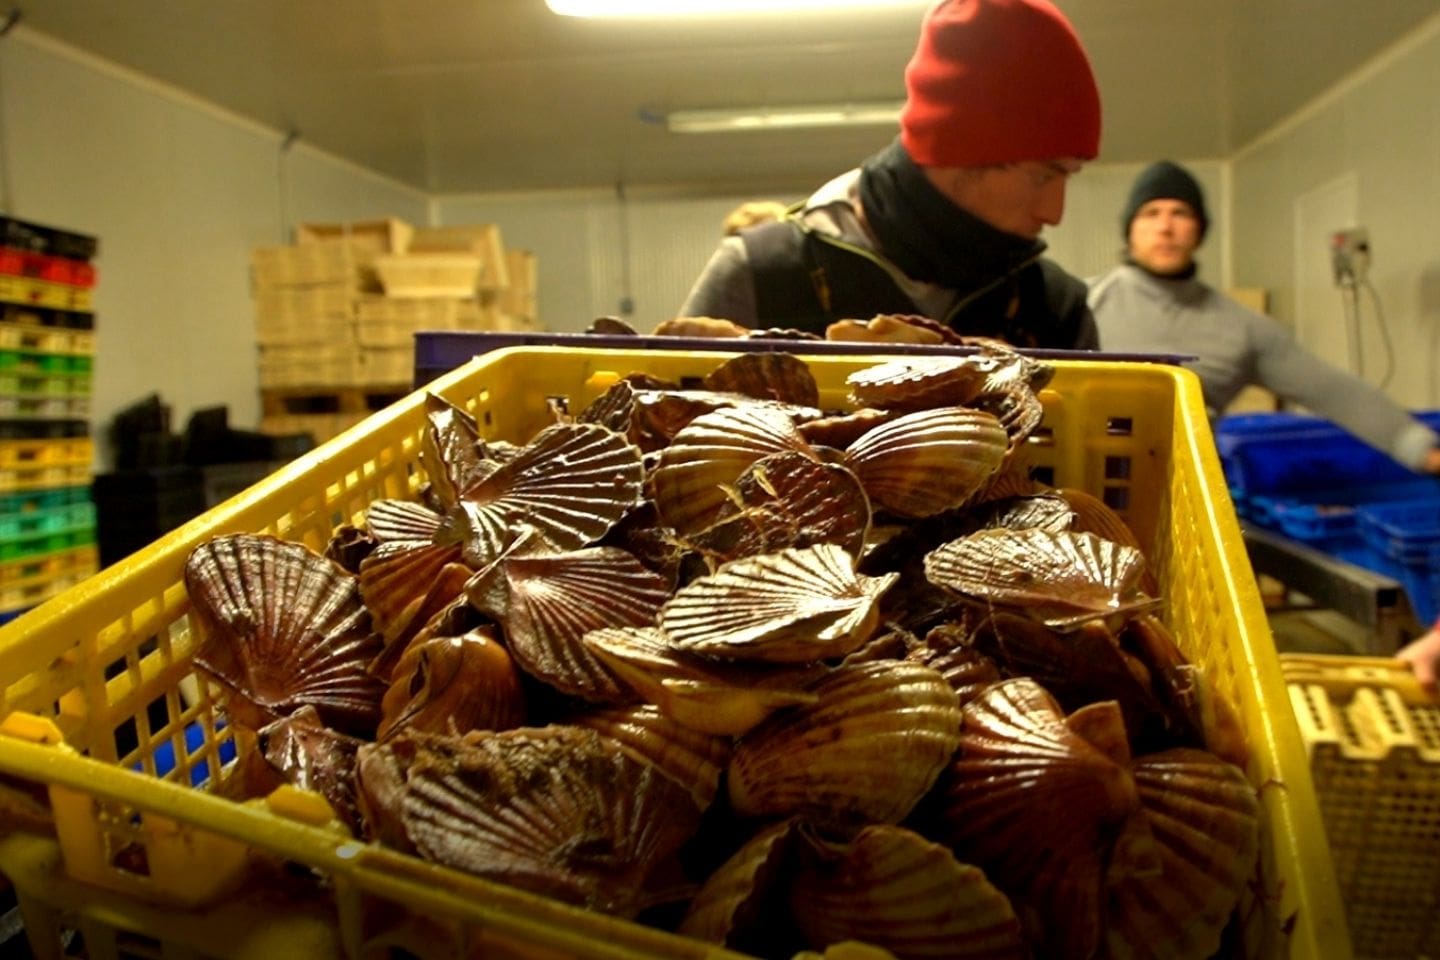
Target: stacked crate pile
(337, 313)
(47, 350)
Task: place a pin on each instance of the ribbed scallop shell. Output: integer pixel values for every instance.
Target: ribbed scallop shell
(734, 905)
(283, 628)
(313, 757)
(349, 546)
(449, 449)
(893, 888)
(406, 582)
(787, 500)
(390, 520)
(968, 671)
(690, 758)
(789, 607)
(382, 770)
(1017, 409)
(708, 696)
(1204, 816)
(766, 376)
(842, 429)
(930, 461)
(1092, 515)
(690, 484)
(559, 811)
(453, 685)
(571, 483)
(917, 383)
(1036, 806)
(1041, 511)
(865, 752)
(1055, 575)
(546, 603)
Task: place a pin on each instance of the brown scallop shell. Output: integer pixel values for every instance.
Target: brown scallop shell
(559, 811)
(1204, 816)
(866, 751)
(1036, 806)
(736, 905)
(406, 582)
(547, 602)
(313, 757)
(968, 671)
(889, 328)
(283, 628)
(1056, 577)
(805, 603)
(708, 696)
(349, 545)
(917, 383)
(786, 500)
(842, 429)
(1017, 409)
(406, 520)
(450, 449)
(766, 376)
(893, 888)
(690, 758)
(690, 484)
(1038, 511)
(382, 770)
(452, 685)
(928, 462)
(571, 483)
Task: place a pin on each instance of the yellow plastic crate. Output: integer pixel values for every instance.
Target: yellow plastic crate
(104, 657)
(1373, 738)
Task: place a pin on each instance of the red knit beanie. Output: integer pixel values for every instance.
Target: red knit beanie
(998, 81)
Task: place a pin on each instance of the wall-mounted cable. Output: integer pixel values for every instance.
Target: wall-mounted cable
(282, 183)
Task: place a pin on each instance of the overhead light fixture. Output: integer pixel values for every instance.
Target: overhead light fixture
(880, 113)
(676, 8)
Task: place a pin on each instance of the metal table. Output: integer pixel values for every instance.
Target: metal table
(1370, 599)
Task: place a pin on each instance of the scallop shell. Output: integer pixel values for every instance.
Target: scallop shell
(406, 582)
(690, 758)
(450, 449)
(381, 772)
(1017, 409)
(1093, 515)
(1204, 817)
(546, 603)
(559, 811)
(349, 546)
(787, 500)
(313, 757)
(1048, 512)
(641, 534)
(690, 484)
(1036, 806)
(968, 671)
(917, 383)
(766, 376)
(283, 628)
(391, 520)
(453, 685)
(842, 429)
(735, 905)
(890, 328)
(893, 888)
(1056, 575)
(928, 462)
(571, 483)
(801, 604)
(708, 696)
(1011, 480)
(866, 751)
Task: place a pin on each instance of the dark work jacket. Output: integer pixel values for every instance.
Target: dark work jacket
(807, 280)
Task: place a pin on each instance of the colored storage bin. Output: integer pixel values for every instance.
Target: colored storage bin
(91, 662)
(1372, 738)
(1407, 532)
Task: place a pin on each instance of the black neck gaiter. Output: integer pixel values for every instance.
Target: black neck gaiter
(926, 235)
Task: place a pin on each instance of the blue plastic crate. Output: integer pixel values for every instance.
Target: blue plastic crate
(1407, 532)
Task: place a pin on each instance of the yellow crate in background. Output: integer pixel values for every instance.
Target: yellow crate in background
(1373, 739)
(481, 240)
(110, 652)
(366, 238)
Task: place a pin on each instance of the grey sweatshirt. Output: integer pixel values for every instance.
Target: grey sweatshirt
(1141, 313)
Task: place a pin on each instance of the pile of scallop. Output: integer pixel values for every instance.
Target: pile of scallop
(768, 675)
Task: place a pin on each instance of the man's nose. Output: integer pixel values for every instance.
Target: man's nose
(1051, 207)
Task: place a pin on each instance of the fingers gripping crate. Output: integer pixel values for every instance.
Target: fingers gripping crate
(1373, 741)
(91, 684)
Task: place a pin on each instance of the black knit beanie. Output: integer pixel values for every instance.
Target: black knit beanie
(1165, 181)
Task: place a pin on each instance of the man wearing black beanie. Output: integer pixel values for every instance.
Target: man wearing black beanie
(1153, 303)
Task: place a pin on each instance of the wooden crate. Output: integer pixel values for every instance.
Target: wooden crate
(393, 322)
(369, 238)
(518, 299)
(321, 262)
(481, 240)
(429, 275)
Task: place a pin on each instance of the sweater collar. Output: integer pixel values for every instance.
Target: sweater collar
(1185, 287)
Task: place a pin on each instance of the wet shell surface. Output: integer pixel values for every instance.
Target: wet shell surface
(789, 607)
(709, 455)
(546, 603)
(930, 461)
(893, 888)
(787, 500)
(406, 582)
(968, 671)
(690, 758)
(451, 450)
(313, 757)
(1041, 511)
(390, 520)
(452, 685)
(1058, 573)
(571, 483)
(284, 628)
(1204, 817)
(915, 383)
(766, 376)
(841, 430)
(731, 907)
(559, 810)
(865, 752)
(709, 696)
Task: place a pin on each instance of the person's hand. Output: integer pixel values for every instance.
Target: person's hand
(1423, 655)
(699, 327)
(1432, 461)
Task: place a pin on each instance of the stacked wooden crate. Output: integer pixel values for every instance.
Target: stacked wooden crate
(337, 313)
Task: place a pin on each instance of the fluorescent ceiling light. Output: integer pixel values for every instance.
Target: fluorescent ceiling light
(886, 112)
(678, 8)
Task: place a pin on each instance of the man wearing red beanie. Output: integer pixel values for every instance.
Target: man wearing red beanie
(1001, 108)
